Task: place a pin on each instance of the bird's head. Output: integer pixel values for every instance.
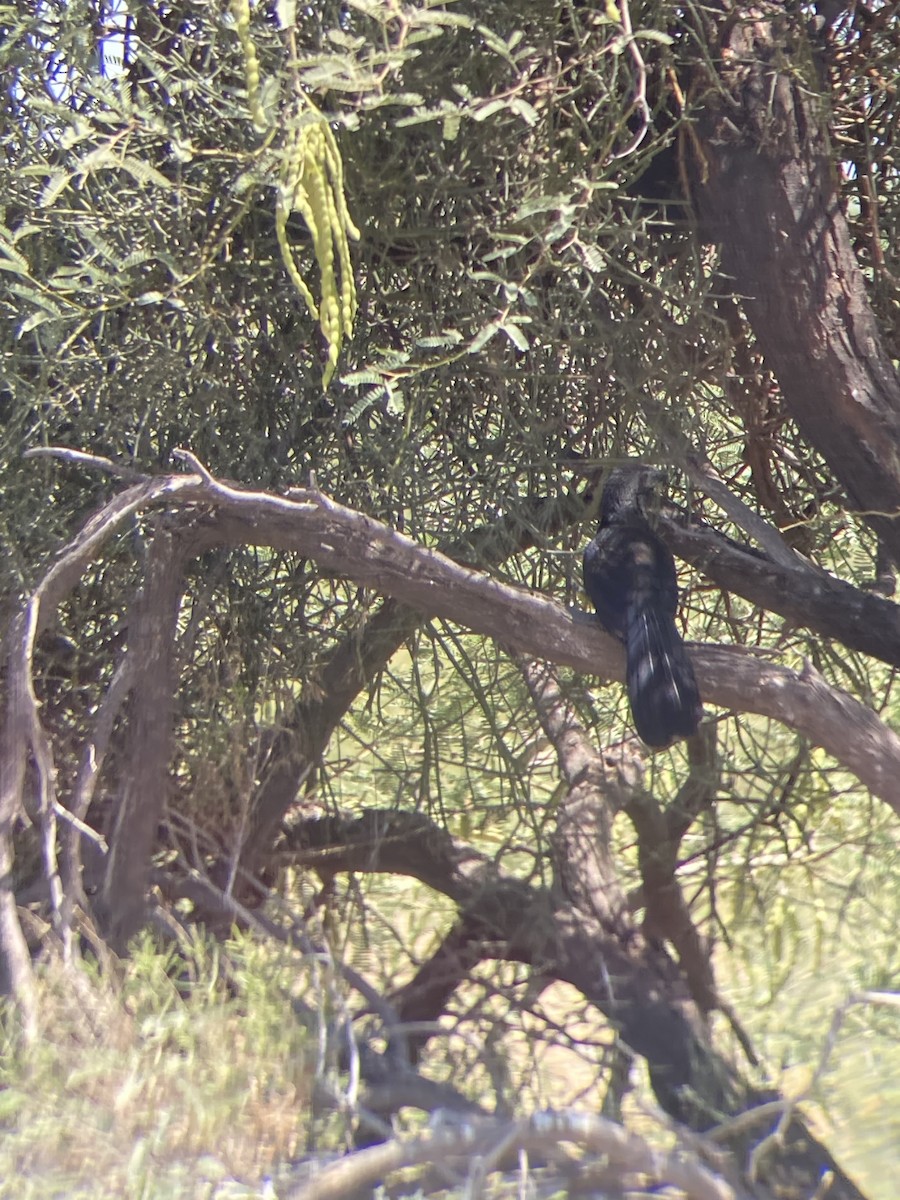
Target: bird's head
(635, 487)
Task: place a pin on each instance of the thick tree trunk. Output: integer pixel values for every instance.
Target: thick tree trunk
(121, 908)
(765, 186)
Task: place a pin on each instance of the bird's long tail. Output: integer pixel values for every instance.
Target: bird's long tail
(662, 690)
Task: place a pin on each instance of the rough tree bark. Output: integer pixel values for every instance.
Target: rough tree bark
(765, 186)
(152, 628)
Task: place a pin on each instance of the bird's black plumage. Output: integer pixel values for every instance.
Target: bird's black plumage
(629, 575)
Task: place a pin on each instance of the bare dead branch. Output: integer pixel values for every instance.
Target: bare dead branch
(359, 548)
(628, 1153)
(78, 458)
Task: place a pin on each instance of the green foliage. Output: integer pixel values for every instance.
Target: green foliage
(147, 306)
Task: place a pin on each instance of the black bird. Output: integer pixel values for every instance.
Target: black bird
(629, 575)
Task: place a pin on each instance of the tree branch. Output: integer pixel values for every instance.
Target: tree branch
(585, 870)
(806, 598)
(357, 547)
(22, 729)
(635, 985)
(659, 834)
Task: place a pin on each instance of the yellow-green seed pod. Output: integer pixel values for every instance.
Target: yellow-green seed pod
(311, 183)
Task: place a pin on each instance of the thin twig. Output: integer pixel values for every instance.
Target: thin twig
(639, 101)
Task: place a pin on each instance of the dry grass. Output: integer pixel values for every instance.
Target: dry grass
(148, 1085)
